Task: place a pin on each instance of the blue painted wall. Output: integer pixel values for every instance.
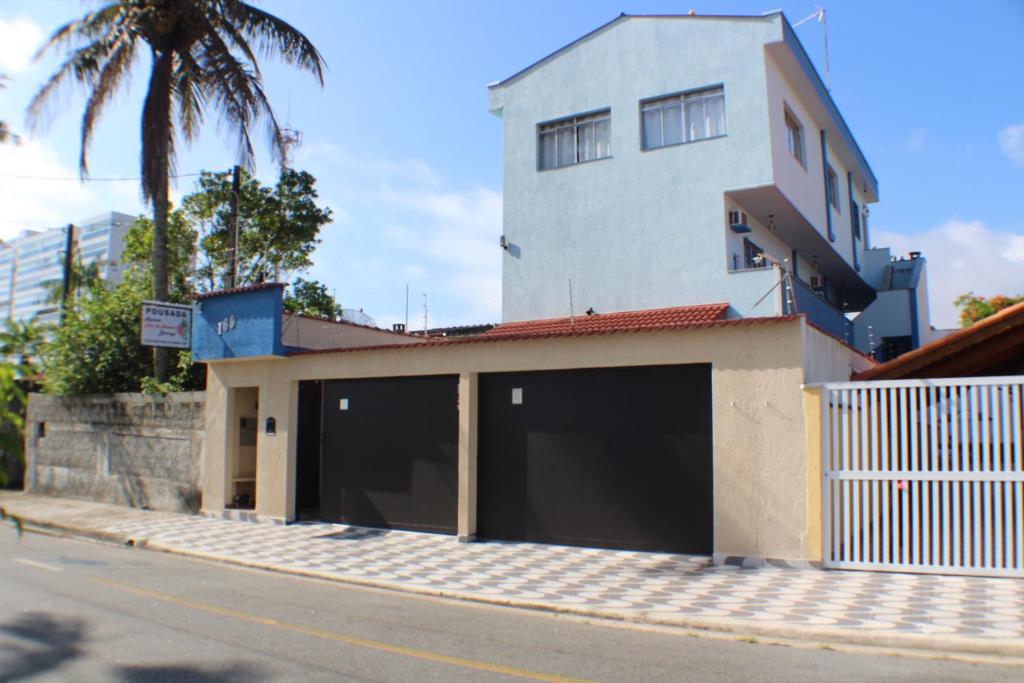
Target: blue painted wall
(249, 324)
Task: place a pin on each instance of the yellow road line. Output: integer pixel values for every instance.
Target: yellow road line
(338, 637)
(37, 565)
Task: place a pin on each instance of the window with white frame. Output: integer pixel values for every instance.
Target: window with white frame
(575, 140)
(833, 189)
(683, 118)
(795, 138)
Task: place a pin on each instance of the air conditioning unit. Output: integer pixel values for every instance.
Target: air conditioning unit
(738, 222)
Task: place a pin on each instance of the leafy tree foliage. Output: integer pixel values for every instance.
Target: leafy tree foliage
(21, 346)
(974, 308)
(97, 347)
(181, 252)
(311, 298)
(278, 227)
(202, 56)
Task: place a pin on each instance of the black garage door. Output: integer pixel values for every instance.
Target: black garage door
(390, 452)
(617, 458)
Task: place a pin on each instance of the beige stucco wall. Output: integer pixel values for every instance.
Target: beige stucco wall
(760, 450)
(310, 333)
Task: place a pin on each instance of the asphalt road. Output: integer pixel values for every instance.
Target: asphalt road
(77, 610)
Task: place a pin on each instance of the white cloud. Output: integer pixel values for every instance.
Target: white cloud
(917, 140)
(32, 199)
(404, 222)
(19, 40)
(1011, 141)
(963, 256)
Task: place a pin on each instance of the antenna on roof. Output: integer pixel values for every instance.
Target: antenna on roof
(819, 14)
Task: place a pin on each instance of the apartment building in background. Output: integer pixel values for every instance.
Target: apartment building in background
(679, 160)
(32, 262)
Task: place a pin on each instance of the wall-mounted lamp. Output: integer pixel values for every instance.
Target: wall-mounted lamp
(503, 243)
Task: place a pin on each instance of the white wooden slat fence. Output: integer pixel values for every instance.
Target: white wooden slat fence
(924, 475)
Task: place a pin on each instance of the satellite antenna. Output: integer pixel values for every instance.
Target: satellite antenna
(289, 138)
(819, 14)
(357, 317)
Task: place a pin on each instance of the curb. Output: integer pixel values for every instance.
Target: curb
(938, 646)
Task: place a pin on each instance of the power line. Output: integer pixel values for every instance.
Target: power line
(89, 180)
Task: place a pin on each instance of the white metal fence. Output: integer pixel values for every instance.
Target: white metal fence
(924, 475)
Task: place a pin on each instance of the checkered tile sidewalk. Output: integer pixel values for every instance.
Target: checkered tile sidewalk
(630, 584)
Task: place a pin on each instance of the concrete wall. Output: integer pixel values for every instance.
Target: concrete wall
(311, 333)
(760, 457)
(238, 324)
(130, 449)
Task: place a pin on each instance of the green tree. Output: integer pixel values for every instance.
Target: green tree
(181, 252)
(974, 308)
(309, 297)
(97, 348)
(278, 227)
(12, 425)
(202, 56)
(21, 346)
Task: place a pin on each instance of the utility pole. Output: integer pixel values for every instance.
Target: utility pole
(236, 185)
(69, 246)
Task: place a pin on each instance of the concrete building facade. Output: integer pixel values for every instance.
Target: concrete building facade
(679, 160)
(31, 263)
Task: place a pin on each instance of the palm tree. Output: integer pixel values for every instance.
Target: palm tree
(203, 57)
(5, 131)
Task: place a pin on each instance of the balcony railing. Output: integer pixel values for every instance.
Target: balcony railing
(818, 311)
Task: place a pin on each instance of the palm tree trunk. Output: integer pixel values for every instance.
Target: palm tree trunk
(161, 208)
(156, 153)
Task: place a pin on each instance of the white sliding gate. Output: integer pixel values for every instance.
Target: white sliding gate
(924, 475)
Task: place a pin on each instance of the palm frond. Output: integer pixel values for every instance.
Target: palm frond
(117, 66)
(190, 94)
(275, 37)
(237, 92)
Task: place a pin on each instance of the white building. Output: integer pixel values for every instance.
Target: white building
(33, 262)
(677, 160)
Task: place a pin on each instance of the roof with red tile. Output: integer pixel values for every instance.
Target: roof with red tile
(634, 321)
(600, 323)
(993, 345)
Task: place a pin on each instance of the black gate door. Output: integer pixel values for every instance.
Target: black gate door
(617, 458)
(390, 452)
(307, 487)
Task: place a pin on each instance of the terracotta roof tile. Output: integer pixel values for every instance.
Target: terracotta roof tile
(600, 323)
(564, 332)
(915, 363)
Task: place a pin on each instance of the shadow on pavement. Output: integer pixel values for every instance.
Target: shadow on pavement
(235, 673)
(42, 643)
(356, 534)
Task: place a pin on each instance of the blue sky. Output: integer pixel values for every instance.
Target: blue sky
(410, 160)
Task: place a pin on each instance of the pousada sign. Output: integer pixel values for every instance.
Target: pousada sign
(166, 324)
